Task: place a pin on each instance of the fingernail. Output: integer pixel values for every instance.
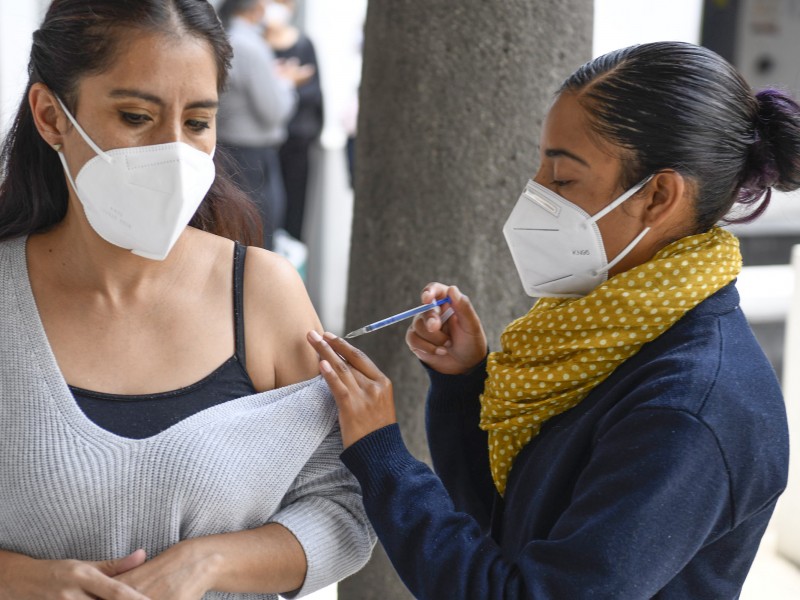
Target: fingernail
(315, 336)
(325, 366)
(430, 323)
(448, 344)
(330, 336)
(441, 351)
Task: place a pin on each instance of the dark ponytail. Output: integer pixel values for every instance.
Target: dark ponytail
(79, 38)
(678, 106)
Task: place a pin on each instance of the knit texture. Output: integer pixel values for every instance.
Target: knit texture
(69, 489)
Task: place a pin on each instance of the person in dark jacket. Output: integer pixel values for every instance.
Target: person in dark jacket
(291, 46)
(629, 439)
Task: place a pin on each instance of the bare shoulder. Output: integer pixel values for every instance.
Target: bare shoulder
(273, 279)
(278, 314)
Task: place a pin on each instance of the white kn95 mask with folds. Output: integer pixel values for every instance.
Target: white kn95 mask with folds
(141, 198)
(556, 245)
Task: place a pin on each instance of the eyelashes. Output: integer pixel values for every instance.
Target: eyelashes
(138, 119)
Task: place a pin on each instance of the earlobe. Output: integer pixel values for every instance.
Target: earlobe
(667, 198)
(47, 115)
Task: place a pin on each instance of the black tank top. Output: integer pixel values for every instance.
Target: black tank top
(142, 416)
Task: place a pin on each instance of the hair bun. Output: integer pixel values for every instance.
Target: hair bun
(775, 155)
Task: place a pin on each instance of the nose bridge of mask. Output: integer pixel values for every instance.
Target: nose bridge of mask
(550, 201)
(83, 134)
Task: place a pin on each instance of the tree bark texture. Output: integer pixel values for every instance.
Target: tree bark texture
(452, 99)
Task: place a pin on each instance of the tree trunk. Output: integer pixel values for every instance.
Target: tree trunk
(452, 99)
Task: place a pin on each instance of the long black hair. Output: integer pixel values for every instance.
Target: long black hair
(79, 38)
(678, 106)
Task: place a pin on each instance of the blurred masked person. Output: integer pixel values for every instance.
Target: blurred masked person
(293, 48)
(254, 111)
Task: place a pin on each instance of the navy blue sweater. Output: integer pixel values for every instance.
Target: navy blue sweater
(659, 484)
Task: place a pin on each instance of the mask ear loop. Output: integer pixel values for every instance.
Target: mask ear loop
(596, 217)
(85, 137)
(627, 249)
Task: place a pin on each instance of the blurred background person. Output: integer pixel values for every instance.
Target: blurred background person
(294, 49)
(255, 110)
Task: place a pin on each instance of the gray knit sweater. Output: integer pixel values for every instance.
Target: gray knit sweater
(69, 489)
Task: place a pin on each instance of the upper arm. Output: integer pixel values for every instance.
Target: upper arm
(278, 315)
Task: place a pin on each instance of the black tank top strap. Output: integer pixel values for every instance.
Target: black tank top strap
(239, 251)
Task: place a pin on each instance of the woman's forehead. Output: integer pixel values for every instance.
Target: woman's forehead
(163, 64)
(567, 131)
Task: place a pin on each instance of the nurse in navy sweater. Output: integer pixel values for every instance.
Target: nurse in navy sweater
(629, 438)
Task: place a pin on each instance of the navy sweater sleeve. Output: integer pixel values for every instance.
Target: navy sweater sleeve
(637, 517)
(459, 448)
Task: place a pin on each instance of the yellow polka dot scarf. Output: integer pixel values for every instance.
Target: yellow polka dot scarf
(558, 352)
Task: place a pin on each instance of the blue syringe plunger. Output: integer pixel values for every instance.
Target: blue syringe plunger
(395, 318)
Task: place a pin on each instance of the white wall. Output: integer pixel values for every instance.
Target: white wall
(18, 20)
(620, 23)
(336, 30)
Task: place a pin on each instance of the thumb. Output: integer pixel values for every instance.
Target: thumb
(118, 566)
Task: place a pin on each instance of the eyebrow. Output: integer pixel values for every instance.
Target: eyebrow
(123, 93)
(559, 152)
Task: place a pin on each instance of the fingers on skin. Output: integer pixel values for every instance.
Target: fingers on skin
(336, 362)
(114, 590)
(363, 369)
(117, 566)
(93, 581)
(347, 362)
(99, 582)
(351, 354)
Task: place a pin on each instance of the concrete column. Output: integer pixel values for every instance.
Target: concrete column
(452, 99)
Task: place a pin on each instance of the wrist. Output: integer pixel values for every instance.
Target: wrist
(13, 568)
(208, 564)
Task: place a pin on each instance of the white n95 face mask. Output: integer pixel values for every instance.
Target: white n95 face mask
(277, 14)
(556, 245)
(141, 198)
